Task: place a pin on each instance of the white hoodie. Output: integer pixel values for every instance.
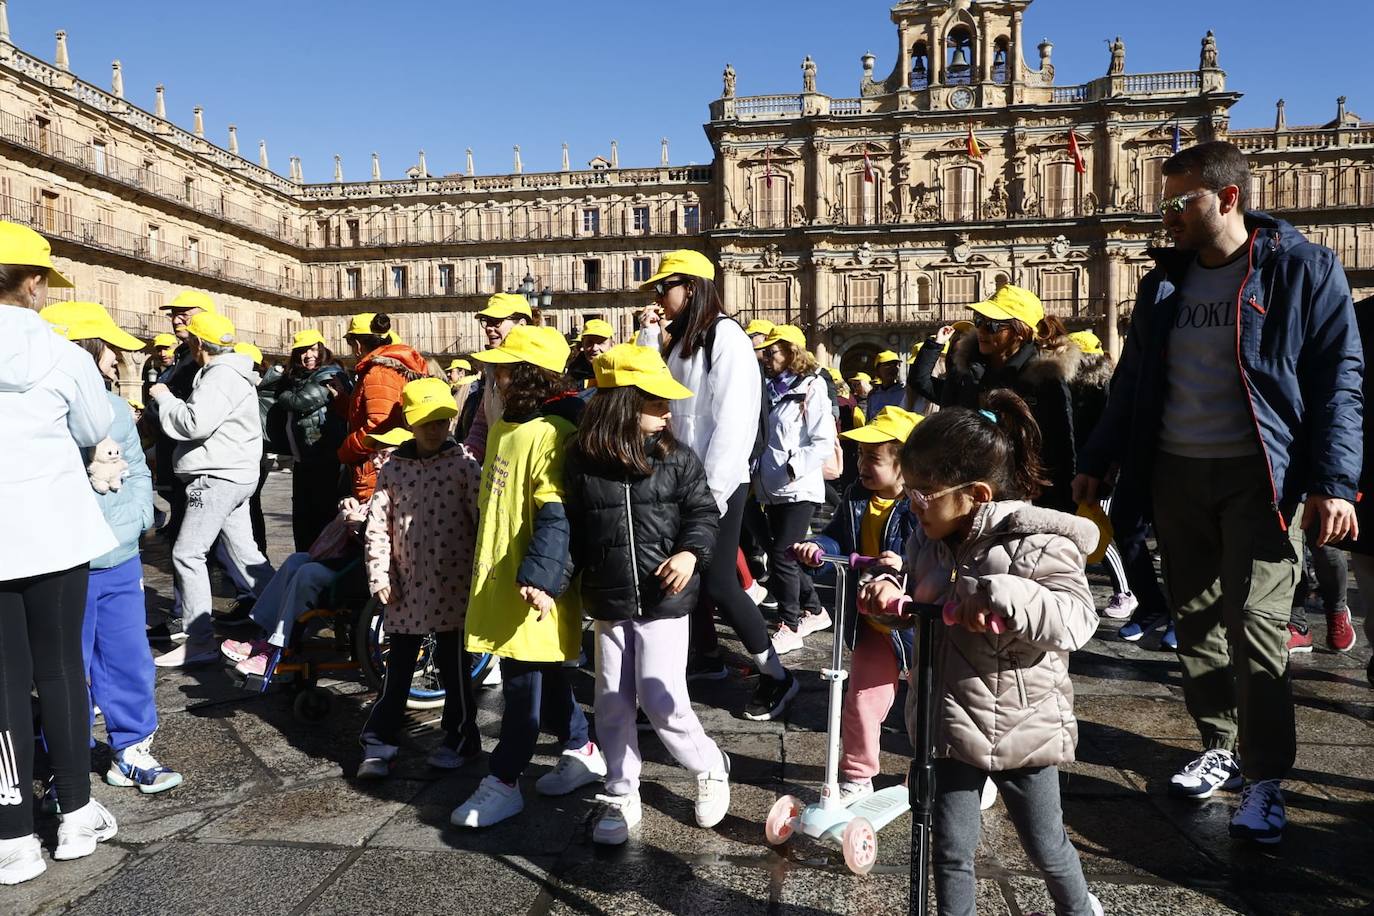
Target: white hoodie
(53, 402)
(219, 427)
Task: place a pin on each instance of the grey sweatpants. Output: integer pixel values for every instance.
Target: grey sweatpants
(1032, 799)
(214, 508)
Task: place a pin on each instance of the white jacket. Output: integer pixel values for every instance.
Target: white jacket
(219, 427)
(801, 436)
(53, 402)
(721, 420)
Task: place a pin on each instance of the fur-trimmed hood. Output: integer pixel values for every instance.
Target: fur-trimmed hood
(1094, 371)
(1058, 361)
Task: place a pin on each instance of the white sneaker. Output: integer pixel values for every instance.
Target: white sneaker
(852, 790)
(79, 831)
(21, 859)
(785, 639)
(989, 795)
(757, 593)
(620, 815)
(189, 653)
(713, 795)
(575, 769)
(1261, 816)
(1122, 606)
(492, 803)
(135, 765)
(813, 623)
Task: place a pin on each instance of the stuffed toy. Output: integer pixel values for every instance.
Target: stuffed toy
(108, 468)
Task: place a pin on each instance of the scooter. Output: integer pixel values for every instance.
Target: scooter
(853, 828)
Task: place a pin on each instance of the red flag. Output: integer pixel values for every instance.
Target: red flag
(869, 176)
(768, 168)
(1079, 165)
(974, 150)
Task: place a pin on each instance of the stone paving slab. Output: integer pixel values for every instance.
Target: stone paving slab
(434, 884)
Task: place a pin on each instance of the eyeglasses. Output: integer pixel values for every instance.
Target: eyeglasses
(991, 325)
(1179, 202)
(662, 286)
(921, 501)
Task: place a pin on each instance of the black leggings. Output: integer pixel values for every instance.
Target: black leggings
(788, 524)
(459, 720)
(40, 646)
(723, 589)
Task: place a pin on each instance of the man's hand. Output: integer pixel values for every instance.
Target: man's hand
(1084, 488)
(1337, 519)
(538, 599)
(158, 390)
(675, 572)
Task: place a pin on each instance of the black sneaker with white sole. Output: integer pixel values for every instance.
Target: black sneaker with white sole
(771, 697)
(706, 668)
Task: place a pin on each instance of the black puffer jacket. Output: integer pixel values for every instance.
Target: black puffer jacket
(615, 519)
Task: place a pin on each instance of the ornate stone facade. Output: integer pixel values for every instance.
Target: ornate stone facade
(867, 220)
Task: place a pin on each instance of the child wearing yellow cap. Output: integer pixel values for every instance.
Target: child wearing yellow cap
(874, 519)
(520, 608)
(644, 524)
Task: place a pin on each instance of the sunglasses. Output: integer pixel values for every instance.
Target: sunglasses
(662, 286)
(1179, 202)
(489, 322)
(921, 501)
(992, 326)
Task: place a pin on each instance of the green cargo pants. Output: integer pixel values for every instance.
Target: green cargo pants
(1230, 569)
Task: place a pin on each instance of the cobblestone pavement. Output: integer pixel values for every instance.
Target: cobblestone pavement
(270, 820)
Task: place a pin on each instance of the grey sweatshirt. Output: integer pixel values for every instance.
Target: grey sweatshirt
(218, 428)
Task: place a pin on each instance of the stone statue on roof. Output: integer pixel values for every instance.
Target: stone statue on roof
(729, 75)
(808, 75)
(1118, 66)
(1209, 51)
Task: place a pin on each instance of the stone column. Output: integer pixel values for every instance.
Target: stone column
(338, 170)
(376, 167)
(470, 171)
(819, 177)
(935, 57)
(117, 79)
(4, 23)
(1014, 61)
(233, 139)
(567, 167)
(904, 53)
(1111, 312)
(198, 114)
(160, 103)
(663, 152)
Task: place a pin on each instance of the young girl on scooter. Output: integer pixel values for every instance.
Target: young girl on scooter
(1011, 577)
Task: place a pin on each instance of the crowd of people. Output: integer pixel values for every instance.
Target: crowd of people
(702, 471)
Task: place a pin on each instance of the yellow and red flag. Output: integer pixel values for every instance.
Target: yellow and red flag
(974, 150)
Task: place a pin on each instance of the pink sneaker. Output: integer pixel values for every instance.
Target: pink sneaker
(236, 650)
(254, 665)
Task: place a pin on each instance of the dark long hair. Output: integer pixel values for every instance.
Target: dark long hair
(690, 329)
(96, 348)
(958, 445)
(326, 359)
(380, 327)
(530, 387)
(609, 438)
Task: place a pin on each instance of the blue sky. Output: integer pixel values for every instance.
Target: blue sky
(319, 77)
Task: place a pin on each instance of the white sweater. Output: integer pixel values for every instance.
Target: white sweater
(721, 420)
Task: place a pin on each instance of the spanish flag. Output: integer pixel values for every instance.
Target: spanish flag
(974, 150)
(1076, 154)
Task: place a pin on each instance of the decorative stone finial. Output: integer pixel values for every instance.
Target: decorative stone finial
(61, 60)
(1281, 116)
(262, 154)
(199, 124)
(160, 105)
(376, 167)
(424, 169)
(518, 166)
(297, 175)
(868, 60)
(663, 151)
(470, 171)
(566, 166)
(615, 155)
(4, 23)
(338, 169)
(1340, 111)
(233, 139)
(117, 79)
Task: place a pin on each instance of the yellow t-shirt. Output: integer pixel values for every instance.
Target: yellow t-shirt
(871, 529)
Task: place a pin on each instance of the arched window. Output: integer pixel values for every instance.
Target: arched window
(1061, 190)
(1001, 58)
(959, 61)
(920, 66)
(961, 194)
(772, 199)
(924, 302)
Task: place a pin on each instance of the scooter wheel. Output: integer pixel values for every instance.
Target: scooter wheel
(860, 843)
(782, 819)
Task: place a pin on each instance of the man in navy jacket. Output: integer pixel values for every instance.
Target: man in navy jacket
(1237, 398)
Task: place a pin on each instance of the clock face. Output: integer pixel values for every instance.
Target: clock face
(961, 98)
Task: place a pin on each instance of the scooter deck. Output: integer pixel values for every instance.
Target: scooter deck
(880, 809)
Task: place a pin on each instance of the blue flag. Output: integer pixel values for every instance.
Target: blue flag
(1178, 138)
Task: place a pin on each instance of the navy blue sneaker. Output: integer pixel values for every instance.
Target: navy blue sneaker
(1135, 629)
(1170, 639)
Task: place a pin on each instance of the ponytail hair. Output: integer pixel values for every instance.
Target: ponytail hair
(999, 445)
(380, 336)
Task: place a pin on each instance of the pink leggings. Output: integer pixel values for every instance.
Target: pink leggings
(868, 698)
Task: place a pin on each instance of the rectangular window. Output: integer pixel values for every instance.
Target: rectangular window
(961, 291)
(860, 199)
(44, 134)
(771, 300)
(98, 157)
(353, 282)
(961, 194)
(539, 223)
(1060, 193)
(1258, 199)
(398, 281)
(51, 211)
(691, 218)
(492, 225)
(771, 209)
(355, 235)
(641, 219)
(591, 222)
(1311, 188)
(446, 279)
(643, 269)
(322, 230)
(493, 278)
(1151, 184)
(154, 240)
(155, 300)
(193, 251)
(591, 275)
(109, 294)
(188, 189)
(1059, 292)
(863, 299)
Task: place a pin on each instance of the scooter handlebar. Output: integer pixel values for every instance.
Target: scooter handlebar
(996, 624)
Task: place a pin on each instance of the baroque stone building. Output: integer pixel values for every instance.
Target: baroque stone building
(867, 220)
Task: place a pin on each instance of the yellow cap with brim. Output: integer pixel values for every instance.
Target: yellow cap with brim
(682, 263)
(212, 328)
(834, 374)
(597, 328)
(760, 326)
(190, 299)
(88, 321)
(427, 399)
(22, 247)
(165, 340)
(1088, 342)
(506, 305)
(861, 377)
(306, 338)
(1013, 302)
(887, 356)
(540, 346)
(250, 351)
(628, 365)
(392, 438)
(459, 363)
(892, 424)
(135, 403)
(360, 325)
(783, 332)
(1094, 513)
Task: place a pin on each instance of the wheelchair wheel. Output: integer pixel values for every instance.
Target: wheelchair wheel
(312, 705)
(371, 646)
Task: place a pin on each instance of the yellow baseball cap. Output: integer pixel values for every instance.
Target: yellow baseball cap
(861, 377)
(887, 356)
(684, 263)
(459, 363)
(212, 328)
(626, 365)
(834, 374)
(597, 328)
(1013, 302)
(392, 438)
(1088, 342)
(760, 326)
(892, 424)
(88, 321)
(962, 326)
(540, 346)
(306, 338)
(190, 299)
(790, 333)
(135, 403)
(21, 246)
(360, 325)
(427, 399)
(506, 305)
(165, 340)
(250, 351)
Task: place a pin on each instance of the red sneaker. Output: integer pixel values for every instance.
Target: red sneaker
(1299, 640)
(1340, 634)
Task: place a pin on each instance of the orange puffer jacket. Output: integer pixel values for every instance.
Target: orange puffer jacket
(376, 408)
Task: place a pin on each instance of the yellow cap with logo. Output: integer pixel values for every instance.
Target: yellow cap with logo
(760, 326)
(627, 365)
(783, 332)
(1013, 302)
(212, 328)
(885, 357)
(190, 299)
(507, 305)
(684, 263)
(597, 328)
(427, 399)
(250, 351)
(21, 246)
(396, 436)
(892, 424)
(540, 346)
(165, 340)
(88, 321)
(1088, 342)
(306, 338)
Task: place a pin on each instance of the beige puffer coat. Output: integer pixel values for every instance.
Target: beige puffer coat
(1005, 701)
